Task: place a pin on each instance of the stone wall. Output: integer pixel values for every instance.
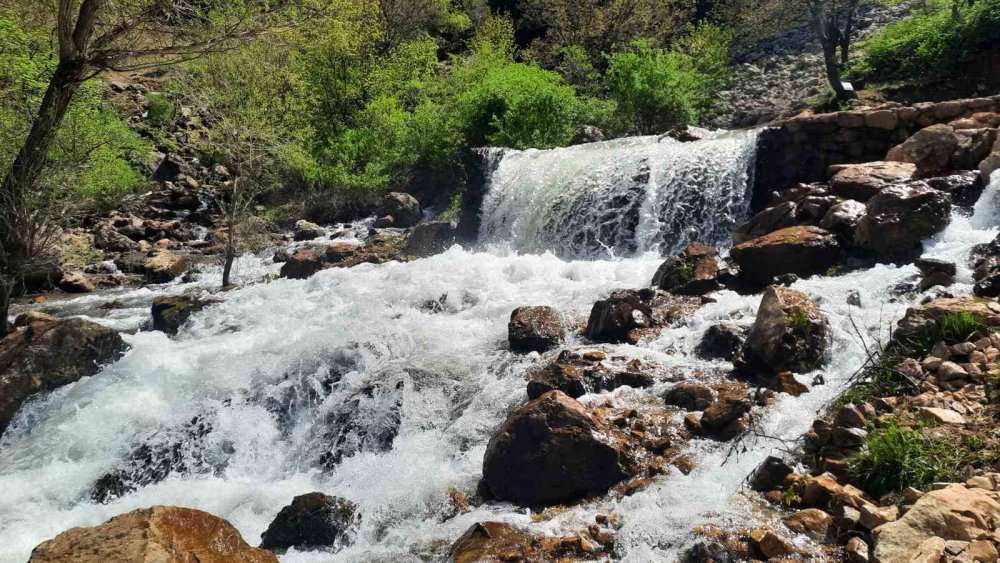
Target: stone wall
(801, 149)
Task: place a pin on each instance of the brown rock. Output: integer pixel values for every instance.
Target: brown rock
(552, 450)
(404, 208)
(900, 217)
(48, 355)
(857, 550)
(812, 521)
(170, 313)
(167, 534)
(930, 149)
(431, 238)
(534, 329)
(789, 333)
(302, 264)
(862, 181)
(689, 396)
(803, 251)
(723, 419)
(692, 272)
(788, 384)
(951, 513)
(773, 218)
(163, 266)
(76, 282)
(973, 145)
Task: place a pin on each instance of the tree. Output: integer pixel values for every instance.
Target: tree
(245, 150)
(833, 22)
(95, 36)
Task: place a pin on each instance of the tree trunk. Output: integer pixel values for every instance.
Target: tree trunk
(227, 268)
(25, 172)
(833, 69)
(4, 308)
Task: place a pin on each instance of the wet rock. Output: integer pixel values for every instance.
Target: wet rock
(951, 513)
(985, 261)
(587, 134)
(689, 396)
(170, 313)
(624, 312)
(772, 545)
(843, 218)
(963, 187)
(694, 271)
(76, 282)
(929, 266)
(856, 550)
(404, 208)
(552, 450)
(312, 521)
(973, 145)
(723, 419)
(534, 329)
(769, 474)
(559, 376)
(803, 251)
(688, 133)
(162, 533)
(499, 541)
(107, 238)
(791, 386)
(812, 522)
(774, 218)
(302, 264)
(900, 217)
(304, 230)
(862, 181)
(789, 333)
(721, 341)
(366, 422)
(48, 355)
(431, 238)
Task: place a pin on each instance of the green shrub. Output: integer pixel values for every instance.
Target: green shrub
(895, 457)
(161, 110)
(931, 40)
(958, 327)
(656, 89)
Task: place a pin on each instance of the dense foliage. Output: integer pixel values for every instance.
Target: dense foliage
(934, 38)
(93, 157)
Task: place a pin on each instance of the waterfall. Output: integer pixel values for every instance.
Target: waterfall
(619, 198)
(384, 383)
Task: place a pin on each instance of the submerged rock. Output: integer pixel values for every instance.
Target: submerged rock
(311, 521)
(50, 354)
(789, 333)
(167, 534)
(553, 450)
(534, 329)
(692, 272)
(803, 251)
(170, 313)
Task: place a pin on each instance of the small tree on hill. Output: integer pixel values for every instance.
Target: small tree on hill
(96, 36)
(833, 22)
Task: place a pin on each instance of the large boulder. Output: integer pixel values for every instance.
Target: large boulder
(900, 217)
(50, 354)
(789, 333)
(692, 272)
(312, 521)
(534, 329)
(626, 313)
(404, 209)
(952, 513)
(930, 149)
(721, 341)
(431, 238)
(862, 181)
(551, 451)
(973, 145)
(166, 534)
(803, 251)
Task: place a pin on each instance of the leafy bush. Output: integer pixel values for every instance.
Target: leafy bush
(89, 161)
(161, 109)
(656, 89)
(520, 106)
(928, 41)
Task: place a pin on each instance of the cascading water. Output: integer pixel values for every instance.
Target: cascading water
(619, 198)
(383, 383)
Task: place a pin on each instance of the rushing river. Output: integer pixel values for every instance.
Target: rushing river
(403, 367)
